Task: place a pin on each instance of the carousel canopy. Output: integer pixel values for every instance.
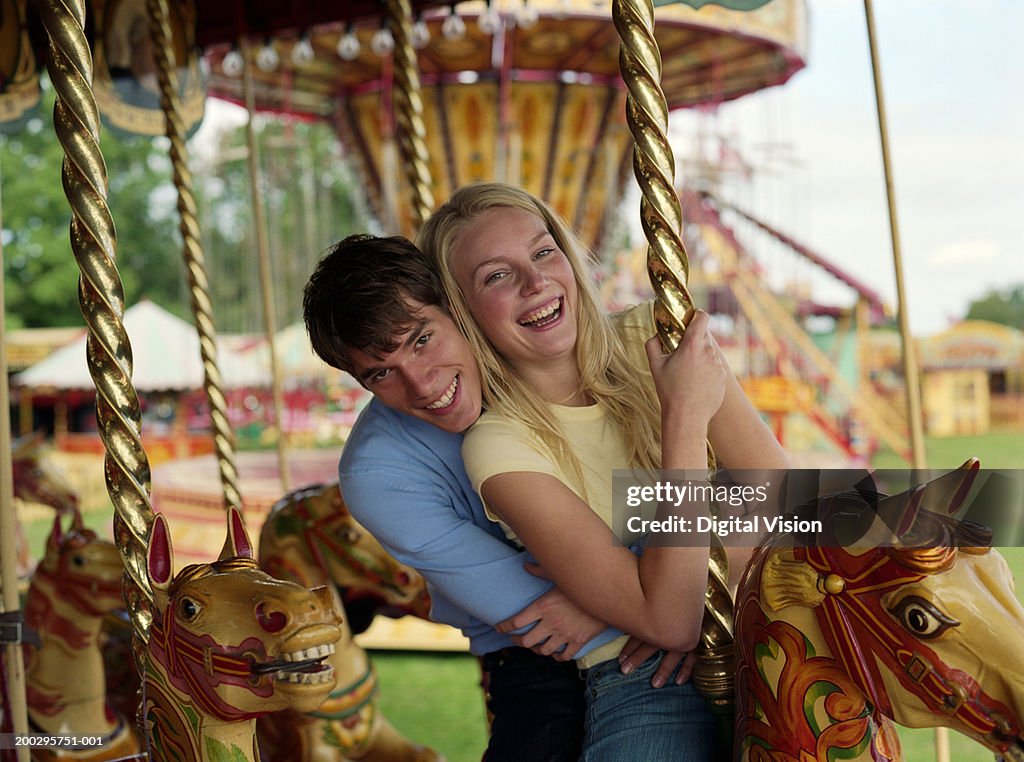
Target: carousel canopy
(525, 92)
(166, 358)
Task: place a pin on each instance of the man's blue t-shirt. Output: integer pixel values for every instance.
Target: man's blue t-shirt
(403, 479)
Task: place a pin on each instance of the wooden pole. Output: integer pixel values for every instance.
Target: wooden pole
(263, 253)
(910, 371)
(15, 665)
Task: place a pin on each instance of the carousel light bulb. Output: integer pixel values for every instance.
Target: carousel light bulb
(420, 34)
(302, 52)
(489, 20)
(267, 58)
(526, 16)
(233, 64)
(348, 46)
(382, 43)
(453, 28)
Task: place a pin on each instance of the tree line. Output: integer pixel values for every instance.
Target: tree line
(311, 198)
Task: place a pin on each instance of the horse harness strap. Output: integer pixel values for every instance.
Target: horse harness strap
(849, 610)
(183, 652)
(14, 631)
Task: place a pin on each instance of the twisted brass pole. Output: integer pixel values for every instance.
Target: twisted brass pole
(195, 261)
(409, 112)
(101, 297)
(668, 267)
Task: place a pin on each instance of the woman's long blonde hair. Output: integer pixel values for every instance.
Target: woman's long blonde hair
(606, 373)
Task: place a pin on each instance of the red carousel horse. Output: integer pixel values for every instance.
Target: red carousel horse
(917, 625)
(75, 585)
(36, 480)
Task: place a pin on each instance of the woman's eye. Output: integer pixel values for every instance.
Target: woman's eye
(544, 253)
(922, 618)
(495, 276)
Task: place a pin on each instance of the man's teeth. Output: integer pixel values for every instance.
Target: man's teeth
(540, 317)
(446, 398)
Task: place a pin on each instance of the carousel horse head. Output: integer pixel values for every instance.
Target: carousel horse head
(310, 534)
(231, 641)
(81, 568)
(916, 621)
(36, 480)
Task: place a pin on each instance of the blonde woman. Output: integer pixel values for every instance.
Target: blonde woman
(569, 395)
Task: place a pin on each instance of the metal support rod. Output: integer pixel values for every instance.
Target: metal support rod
(910, 372)
(668, 267)
(101, 297)
(263, 253)
(8, 548)
(192, 252)
(408, 101)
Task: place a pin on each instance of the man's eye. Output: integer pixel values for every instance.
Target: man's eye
(380, 375)
(423, 339)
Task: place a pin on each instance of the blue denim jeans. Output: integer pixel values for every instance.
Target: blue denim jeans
(537, 706)
(629, 721)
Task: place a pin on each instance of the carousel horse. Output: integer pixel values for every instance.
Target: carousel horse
(916, 622)
(75, 585)
(229, 643)
(35, 480)
(311, 538)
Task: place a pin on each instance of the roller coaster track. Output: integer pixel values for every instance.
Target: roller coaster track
(878, 311)
(778, 330)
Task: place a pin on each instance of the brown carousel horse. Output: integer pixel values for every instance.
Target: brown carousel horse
(311, 538)
(228, 644)
(36, 480)
(75, 585)
(918, 625)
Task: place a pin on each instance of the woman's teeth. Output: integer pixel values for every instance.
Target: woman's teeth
(446, 399)
(543, 316)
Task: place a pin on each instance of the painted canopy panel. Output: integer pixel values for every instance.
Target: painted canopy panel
(535, 104)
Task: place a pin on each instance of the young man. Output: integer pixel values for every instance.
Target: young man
(375, 309)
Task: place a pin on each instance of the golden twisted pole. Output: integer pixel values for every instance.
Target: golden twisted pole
(195, 261)
(101, 297)
(412, 131)
(668, 267)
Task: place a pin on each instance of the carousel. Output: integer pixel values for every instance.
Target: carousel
(250, 655)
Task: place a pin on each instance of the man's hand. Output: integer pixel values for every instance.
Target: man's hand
(636, 652)
(561, 628)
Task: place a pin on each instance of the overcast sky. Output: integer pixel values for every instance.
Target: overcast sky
(953, 81)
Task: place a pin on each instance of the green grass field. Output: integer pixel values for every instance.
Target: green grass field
(435, 699)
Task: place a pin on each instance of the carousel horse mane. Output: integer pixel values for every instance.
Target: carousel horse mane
(311, 538)
(914, 622)
(76, 584)
(228, 644)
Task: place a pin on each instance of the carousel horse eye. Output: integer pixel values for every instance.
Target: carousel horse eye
(78, 560)
(189, 609)
(921, 617)
(349, 535)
